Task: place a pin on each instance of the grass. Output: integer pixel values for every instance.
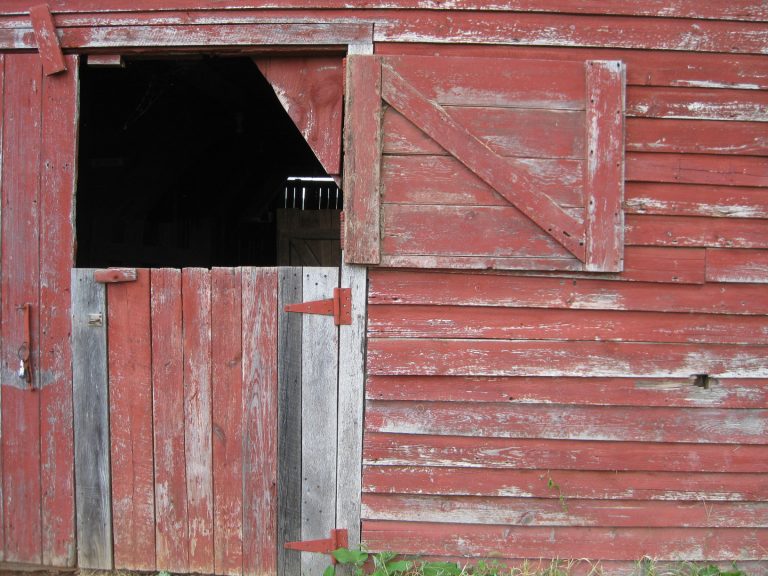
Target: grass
(391, 564)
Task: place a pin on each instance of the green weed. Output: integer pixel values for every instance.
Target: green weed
(392, 564)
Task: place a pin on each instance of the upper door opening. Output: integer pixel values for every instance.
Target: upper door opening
(186, 162)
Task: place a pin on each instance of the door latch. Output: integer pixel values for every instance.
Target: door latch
(25, 370)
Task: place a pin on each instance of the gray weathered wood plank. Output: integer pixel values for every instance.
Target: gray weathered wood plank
(319, 374)
(289, 421)
(350, 423)
(91, 422)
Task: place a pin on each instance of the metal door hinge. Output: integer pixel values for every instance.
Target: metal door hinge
(340, 307)
(339, 539)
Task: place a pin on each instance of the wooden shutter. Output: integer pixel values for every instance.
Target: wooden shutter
(484, 163)
(310, 89)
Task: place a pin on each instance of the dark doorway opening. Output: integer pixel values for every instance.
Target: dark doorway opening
(186, 162)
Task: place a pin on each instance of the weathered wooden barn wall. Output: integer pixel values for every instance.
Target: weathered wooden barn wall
(509, 415)
(550, 416)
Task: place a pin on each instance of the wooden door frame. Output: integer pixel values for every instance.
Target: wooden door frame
(260, 37)
(146, 33)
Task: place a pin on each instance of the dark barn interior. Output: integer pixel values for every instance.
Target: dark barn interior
(184, 162)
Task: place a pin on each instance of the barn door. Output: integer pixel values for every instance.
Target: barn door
(37, 154)
(208, 420)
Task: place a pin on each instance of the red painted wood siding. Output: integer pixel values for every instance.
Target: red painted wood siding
(649, 463)
(518, 416)
(513, 415)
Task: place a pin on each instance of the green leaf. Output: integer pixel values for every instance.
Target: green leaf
(382, 558)
(330, 571)
(400, 566)
(440, 569)
(347, 556)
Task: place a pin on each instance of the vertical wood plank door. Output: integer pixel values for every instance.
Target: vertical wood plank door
(221, 419)
(37, 159)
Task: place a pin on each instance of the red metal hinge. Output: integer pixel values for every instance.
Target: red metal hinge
(339, 539)
(340, 307)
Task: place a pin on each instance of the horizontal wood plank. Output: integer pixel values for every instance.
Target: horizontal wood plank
(653, 230)
(567, 542)
(469, 511)
(499, 231)
(697, 137)
(695, 200)
(706, 169)
(611, 485)
(563, 358)
(196, 35)
(724, 265)
(572, 390)
(422, 321)
(697, 103)
(518, 83)
(641, 263)
(480, 262)
(433, 288)
(521, 132)
(561, 422)
(525, 454)
(735, 10)
(417, 179)
(570, 30)
(645, 67)
(663, 264)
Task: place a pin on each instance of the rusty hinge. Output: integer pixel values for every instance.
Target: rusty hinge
(339, 539)
(113, 275)
(340, 306)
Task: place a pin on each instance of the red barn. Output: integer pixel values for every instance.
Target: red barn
(542, 331)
